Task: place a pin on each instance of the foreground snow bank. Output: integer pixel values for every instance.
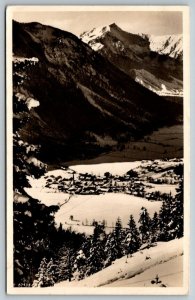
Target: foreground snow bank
(170, 274)
(141, 261)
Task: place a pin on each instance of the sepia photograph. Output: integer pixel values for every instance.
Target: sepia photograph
(97, 128)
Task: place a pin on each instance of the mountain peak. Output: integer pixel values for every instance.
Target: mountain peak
(96, 31)
(113, 25)
(171, 45)
(93, 35)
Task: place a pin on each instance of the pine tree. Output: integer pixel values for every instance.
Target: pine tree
(132, 240)
(144, 227)
(111, 249)
(46, 274)
(34, 237)
(178, 212)
(175, 226)
(25, 162)
(165, 219)
(52, 272)
(81, 259)
(154, 227)
(119, 236)
(80, 265)
(96, 258)
(115, 244)
(171, 216)
(65, 260)
(95, 261)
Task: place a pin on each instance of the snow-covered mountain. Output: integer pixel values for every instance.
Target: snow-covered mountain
(171, 45)
(89, 37)
(153, 61)
(81, 97)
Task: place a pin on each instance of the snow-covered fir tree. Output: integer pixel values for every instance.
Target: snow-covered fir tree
(96, 259)
(115, 244)
(119, 236)
(46, 275)
(171, 216)
(132, 240)
(154, 227)
(144, 227)
(177, 210)
(80, 265)
(165, 219)
(111, 249)
(65, 263)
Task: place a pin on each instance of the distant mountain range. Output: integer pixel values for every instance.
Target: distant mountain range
(171, 45)
(153, 61)
(84, 101)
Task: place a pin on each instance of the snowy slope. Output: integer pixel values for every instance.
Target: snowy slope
(120, 168)
(143, 266)
(171, 45)
(159, 87)
(172, 279)
(114, 168)
(91, 37)
(134, 54)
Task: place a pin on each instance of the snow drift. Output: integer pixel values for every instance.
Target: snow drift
(141, 261)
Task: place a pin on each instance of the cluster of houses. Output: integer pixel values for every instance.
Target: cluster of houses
(168, 178)
(139, 182)
(89, 184)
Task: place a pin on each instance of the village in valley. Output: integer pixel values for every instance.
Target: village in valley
(142, 181)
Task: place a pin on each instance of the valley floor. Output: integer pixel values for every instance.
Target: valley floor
(166, 142)
(77, 211)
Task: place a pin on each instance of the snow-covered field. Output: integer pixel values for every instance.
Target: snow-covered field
(85, 208)
(78, 211)
(163, 188)
(46, 196)
(140, 269)
(114, 168)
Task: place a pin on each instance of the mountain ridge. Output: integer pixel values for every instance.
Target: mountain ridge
(140, 57)
(81, 95)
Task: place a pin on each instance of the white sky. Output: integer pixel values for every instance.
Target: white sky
(151, 22)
